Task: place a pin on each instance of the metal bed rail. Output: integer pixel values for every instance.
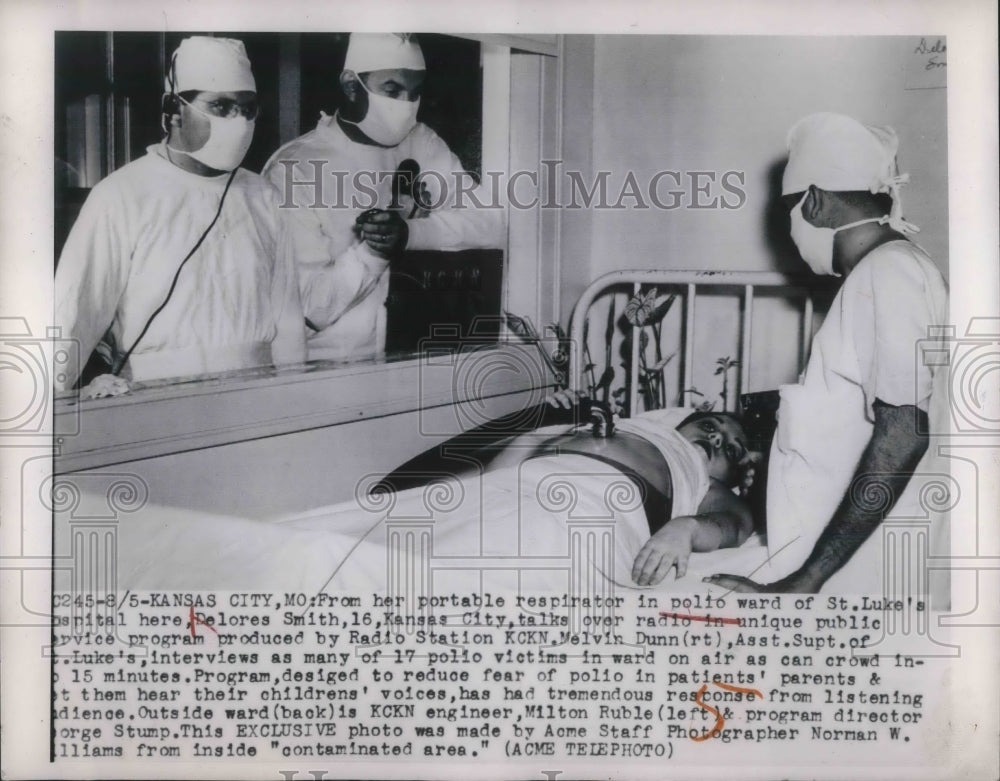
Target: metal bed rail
(748, 281)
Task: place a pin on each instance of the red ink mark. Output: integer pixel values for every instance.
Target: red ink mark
(193, 619)
(730, 687)
(702, 618)
(719, 721)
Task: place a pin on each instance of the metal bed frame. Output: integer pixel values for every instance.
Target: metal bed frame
(745, 284)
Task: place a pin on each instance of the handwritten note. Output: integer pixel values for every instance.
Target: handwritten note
(927, 64)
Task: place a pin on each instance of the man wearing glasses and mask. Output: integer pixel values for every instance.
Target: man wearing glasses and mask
(180, 256)
(337, 185)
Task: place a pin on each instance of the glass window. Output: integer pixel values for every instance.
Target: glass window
(109, 111)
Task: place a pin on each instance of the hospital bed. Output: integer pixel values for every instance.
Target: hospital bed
(566, 525)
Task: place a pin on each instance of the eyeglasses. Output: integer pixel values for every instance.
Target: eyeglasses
(227, 108)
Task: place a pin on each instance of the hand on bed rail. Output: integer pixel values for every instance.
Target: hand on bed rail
(564, 399)
(105, 385)
(599, 413)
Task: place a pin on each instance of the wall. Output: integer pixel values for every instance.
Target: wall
(715, 104)
(693, 103)
(576, 226)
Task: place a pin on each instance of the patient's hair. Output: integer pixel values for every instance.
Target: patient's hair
(694, 417)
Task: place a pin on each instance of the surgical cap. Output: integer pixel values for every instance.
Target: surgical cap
(211, 65)
(382, 51)
(837, 153)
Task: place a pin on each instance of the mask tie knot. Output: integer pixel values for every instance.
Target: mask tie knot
(894, 218)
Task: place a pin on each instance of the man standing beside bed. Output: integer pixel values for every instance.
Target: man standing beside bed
(851, 434)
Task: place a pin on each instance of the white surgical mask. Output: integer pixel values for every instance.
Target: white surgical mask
(228, 141)
(815, 244)
(388, 120)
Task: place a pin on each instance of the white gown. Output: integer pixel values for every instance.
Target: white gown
(344, 285)
(236, 302)
(870, 346)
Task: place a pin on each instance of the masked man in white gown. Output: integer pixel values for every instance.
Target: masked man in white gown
(181, 255)
(853, 432)
(337, 186)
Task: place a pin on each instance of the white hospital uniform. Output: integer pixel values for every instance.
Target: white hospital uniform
(236, 301)
(344, 285)
(866, 349)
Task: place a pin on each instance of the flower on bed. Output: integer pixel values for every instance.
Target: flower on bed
(642, 310)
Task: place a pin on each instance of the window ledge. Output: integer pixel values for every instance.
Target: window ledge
(158, 421)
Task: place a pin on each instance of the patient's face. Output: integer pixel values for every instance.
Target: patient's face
(724, 443)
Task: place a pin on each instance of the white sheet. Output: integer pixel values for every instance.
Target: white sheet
(688, 468)
(488, 532)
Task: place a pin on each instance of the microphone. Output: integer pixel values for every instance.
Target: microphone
(403, 182)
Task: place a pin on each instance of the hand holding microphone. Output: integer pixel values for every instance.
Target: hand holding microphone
(384, 230)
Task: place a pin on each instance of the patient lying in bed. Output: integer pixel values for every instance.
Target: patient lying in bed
(713, 516)
(722, 518)
(689, 467)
